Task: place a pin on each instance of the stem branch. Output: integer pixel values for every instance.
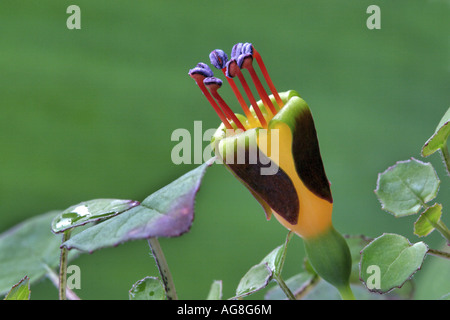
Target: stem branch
(163, 268)
(284, 287)
(442, 228)
(439, 253)
(63, 267)
(446, 158)
(55, 280)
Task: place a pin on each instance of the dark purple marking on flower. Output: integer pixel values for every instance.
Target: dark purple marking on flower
(307, 158)
(236, 50)
(212, 81)
(277, 190)
(218, 58)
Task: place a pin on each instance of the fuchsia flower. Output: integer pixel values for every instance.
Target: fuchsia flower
(281, 129)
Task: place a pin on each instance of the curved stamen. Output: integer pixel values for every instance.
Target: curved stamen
(213, 84)
(219, 59)
(263, 69)
(233, 70)
(245, 62)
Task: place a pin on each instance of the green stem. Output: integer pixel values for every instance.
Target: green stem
(346, 293)
(439, 253)
(284, 287)
(283, 256)
(55, 280)
(442, 228)
(163, 268)
(446, 157)
(63, 267)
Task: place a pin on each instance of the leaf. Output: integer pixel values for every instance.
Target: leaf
(90, 211)
(29, 248)
(168, 212)
(295, 284)
(275, 259)
(215, 293)
(428, 220)
(149, 288)
(389, 261)
(403, 188)
(439, 139)
(257, 278)
(20, 291)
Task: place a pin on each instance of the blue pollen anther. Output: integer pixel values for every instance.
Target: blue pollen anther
(218, 58)
(240, 60)
(231, 68)
(202, 69)
(247, 48)
(236, 50)
(212, 81)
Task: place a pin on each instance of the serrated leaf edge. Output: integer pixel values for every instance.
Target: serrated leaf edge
(392, 168)
(409, 278)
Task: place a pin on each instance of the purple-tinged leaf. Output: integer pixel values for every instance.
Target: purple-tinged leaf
(168, 212)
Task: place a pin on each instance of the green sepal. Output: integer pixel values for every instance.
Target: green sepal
(439, 139)
(329, 255)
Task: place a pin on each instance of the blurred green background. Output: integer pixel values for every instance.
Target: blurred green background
(89, 113)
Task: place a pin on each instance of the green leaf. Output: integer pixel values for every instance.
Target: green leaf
(428, 220)
(90, 211)
(404, 188)
(169, 212)
(296, 284)
(389, 261)
(257, 278)
(29, 248)
(20, 291)
(439, 139)
(149, 288)
(215, 293)
(275, 259)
